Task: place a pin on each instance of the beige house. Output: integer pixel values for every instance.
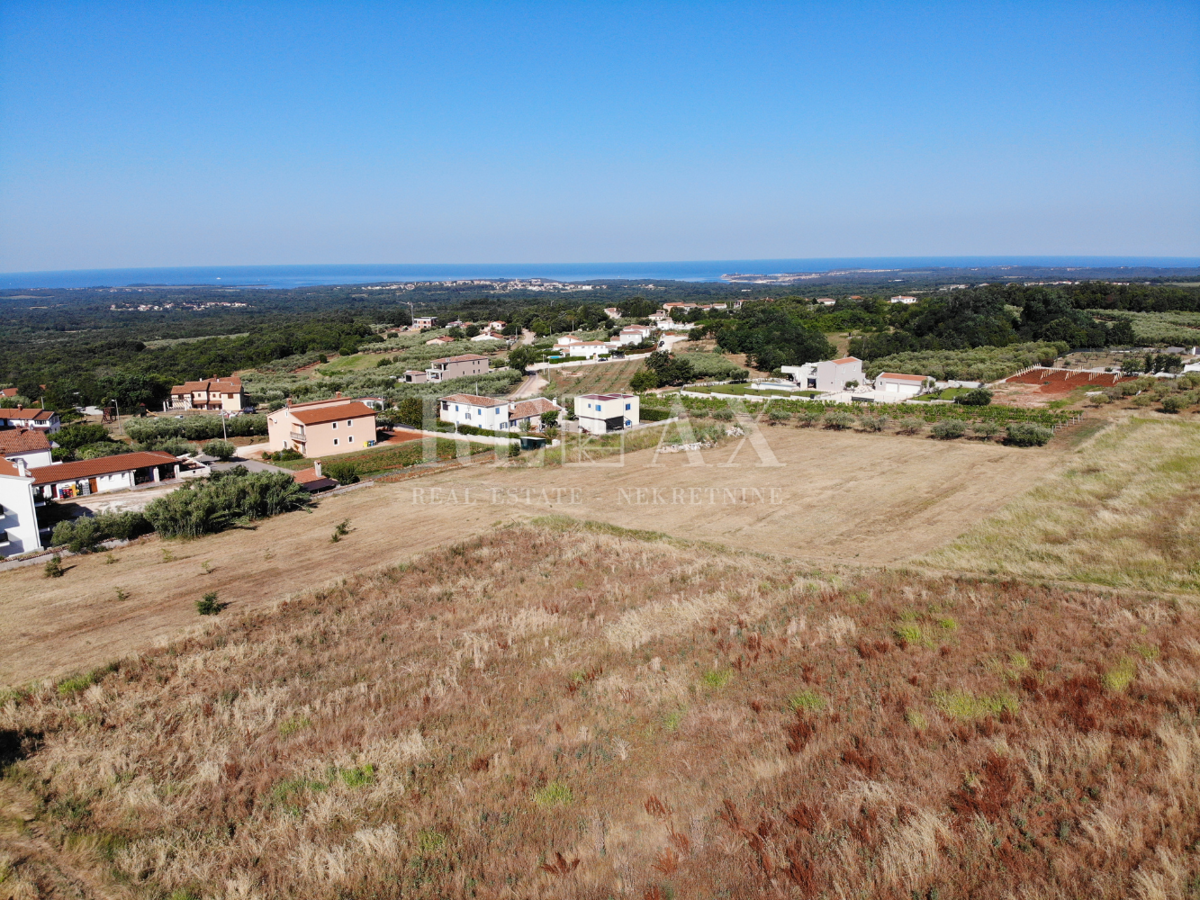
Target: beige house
(457, 367)
(222, 394)
(322, 427)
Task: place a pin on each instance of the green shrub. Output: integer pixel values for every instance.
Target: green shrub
(948, 429)
(86, 533)
(873, 423)
(976, 397)
(208, 605)
(837, 419)
(220, 449)
(53, 567)
(1176, 403)
(1026, 434)
(209, 505)
(343, 472)
(654, 415)
(985, 430)
(806, 700)
(554, 794)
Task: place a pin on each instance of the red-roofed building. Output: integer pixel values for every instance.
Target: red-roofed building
(896, 383)
(494, 413)
(322, 427)
(44, 420)
(62, 481)
(221, 394)
(27, 444)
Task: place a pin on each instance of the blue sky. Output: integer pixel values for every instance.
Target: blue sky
(191, 133)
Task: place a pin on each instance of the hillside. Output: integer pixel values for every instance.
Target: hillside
(564, 710)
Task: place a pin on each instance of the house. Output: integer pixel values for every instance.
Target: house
(18, 509)
(489, 336)
(494, 414)
(496, 326)
(314, 480)
(896, 383)
(590, 349)
(634, 334)
(221, 394)
(602, 413)
(457, 367)
(612, 312)
(415, 376)
(826, 301)
(376, 403)
(903, 299)
(830, 375)
(424, 321)
(27, 444)
(8, 393)
(567, 341)
(62, 481)
(444, 339)
(322, 427)
(44, 420)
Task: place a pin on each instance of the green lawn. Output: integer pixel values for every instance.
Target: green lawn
(947, 394)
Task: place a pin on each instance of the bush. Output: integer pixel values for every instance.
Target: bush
(209, 505)
(411, 412)
(284, 455)
(985, 430)
(948, 429)
(53, 568)
(810, 416)
(837, 419)
(208, 605)
(1026, 434)
(976, 397)
(655, 415)
(87, 533)
(72, 437)
(220, 449)
(1176, 403)
(873, 423)
(344, 472)
(911, 426)
(775, 415)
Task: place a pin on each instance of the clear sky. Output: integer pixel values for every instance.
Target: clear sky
(193, 133)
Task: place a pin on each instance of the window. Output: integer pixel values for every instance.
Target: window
(349, 423)
(335, 442)
(335, 426)
(628, 406)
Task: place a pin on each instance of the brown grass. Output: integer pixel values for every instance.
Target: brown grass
(740, 726)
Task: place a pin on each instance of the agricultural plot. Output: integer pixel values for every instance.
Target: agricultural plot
(1063, 381)
(1182, 328)
(571, 381)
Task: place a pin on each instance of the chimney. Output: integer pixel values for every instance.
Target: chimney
(338, 395)
(317, 469)
(22, 467)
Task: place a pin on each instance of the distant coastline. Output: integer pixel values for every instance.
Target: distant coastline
(697, 271)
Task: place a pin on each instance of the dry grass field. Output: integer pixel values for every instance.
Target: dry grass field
(556, 710)
(1123, 510)
(835, 497)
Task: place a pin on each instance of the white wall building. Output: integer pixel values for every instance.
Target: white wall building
(494, 414)
(829, 375)
(633, 334)
(27, 444)
(18, 510)
(602, 413)
(895, 383)
(591, 349)
(903, 299)
(64, 481)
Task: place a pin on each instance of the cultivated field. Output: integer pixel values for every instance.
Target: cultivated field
(571, 381)
(563, 711)
(860, 499)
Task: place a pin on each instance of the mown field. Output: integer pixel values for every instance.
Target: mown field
(563, 710)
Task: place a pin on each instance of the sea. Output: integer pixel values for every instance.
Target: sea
(702, 270)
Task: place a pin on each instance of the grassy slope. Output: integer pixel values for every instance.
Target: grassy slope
(679, 720)
(1125, 513)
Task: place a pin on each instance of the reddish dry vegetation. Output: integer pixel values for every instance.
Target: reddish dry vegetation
(569, 712)
(1063, 381)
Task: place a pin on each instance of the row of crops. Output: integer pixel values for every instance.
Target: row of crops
(926, 412)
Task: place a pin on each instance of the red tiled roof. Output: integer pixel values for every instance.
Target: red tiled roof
(902, 377)
(105, 465)
(466, 357)
(535, 407)
(22, 440)
(232, 384)
(7, 468)
(352, 410)
(311, 481)
(8, 392)
(846, 359)
(18, 412)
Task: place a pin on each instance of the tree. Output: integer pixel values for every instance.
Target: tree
(411, 412)
(549, 418)
(521, 357)
(471, 330)
(343, 472)
(976, 397)
(222, 450)
(643, 380)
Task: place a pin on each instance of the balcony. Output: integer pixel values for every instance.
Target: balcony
(298, 436)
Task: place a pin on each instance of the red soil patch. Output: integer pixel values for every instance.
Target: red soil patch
(1063, 381)
(396, 437)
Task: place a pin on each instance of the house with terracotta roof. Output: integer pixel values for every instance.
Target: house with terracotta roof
(494, 413)
(44, 420)
(897, 383)
(222, 394)
(322, 427)
(18, 509)
(27, 444)
(444, 339)
(8, 393)
(828, 375)
(63, 481)
(314, 480)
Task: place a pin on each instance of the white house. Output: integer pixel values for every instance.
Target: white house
(903, 299)
(566, 342)
(18, 510)
(826, 301)
(494, 414)
(895, 383)
(424, 321)
(489, 336)
(45, 420)
(602, 413)
(27, 444)
(612, 312)
(829, 375)
(63, 481)
(633, 334)
(591, 349)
